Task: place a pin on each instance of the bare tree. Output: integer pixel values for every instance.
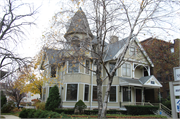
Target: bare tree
(129, 18)
(14, 89)
(12, 30)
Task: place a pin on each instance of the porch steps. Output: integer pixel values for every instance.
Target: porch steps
(161, 112)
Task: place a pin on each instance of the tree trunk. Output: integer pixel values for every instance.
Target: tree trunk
(99, 89)
(104, 109)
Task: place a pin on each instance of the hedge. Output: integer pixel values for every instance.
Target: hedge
(140, 110)
(33, 113)
(65, 111)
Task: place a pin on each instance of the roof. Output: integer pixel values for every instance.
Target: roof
(143, 81)
(114, 48)
(79, 24)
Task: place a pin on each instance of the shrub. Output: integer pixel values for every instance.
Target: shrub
(141, 110)
(23, 113)
(54, 99)
(65, 111)
(37, 113)
(80, 106)
(32, 113)
(3, 99)
(40, 105)
(16, 109)
(35, 101)
(8, 107)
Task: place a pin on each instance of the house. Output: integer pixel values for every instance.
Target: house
(165, 56)
(132, 84)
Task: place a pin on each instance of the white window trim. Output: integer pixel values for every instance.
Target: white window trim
(74, 72)
(130, 70)
(116, 95)
(84, 92)
(122, 94)
(77, 92)
(135, 53)
(92, 93)
(85, 67)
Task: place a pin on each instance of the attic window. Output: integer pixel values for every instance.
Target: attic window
(132, 51)
(53, 71)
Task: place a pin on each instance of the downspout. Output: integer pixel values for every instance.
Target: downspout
(91, 86)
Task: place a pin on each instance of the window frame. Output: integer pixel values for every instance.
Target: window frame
(122, 68)
(53, 71)
(77, 94)
(93, 94)
(86, 93)
(132, 53)
(126, 93)
(70, 62)
(87, 68)
(109, 99)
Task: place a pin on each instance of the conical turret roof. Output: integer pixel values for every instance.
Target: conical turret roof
(79, 24)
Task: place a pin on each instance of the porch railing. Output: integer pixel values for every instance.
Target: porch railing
(160, 105)
(135, 103)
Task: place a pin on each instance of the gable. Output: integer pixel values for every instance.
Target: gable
(151, 81)
(140, 53)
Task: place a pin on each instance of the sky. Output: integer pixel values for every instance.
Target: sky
(47, 8)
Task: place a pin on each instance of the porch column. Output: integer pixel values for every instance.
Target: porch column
(149, 71)
(142, 91)
(133, 71)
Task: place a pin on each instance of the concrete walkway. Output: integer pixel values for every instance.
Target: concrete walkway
(10, 117)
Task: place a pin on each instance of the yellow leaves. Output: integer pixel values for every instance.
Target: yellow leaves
(78, 3)
(79, 20)
(74, 29)
(77, 25)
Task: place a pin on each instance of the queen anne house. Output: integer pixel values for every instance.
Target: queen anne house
(132, 83)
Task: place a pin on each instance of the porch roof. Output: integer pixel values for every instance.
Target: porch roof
(147, 81)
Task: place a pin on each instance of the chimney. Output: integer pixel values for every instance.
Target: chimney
(113, 39)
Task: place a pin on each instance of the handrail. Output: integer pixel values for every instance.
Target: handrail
(161, 106)
(165, 109)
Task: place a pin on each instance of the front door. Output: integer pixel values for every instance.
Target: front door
(138, 95)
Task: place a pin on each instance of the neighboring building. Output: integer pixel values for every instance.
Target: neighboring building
(30, 96)
(165, 56)
(132, 84)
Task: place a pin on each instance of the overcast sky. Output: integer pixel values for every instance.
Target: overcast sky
(47, 8)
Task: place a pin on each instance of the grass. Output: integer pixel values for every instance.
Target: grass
(119, 116)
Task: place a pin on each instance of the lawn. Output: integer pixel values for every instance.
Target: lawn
(118, 116)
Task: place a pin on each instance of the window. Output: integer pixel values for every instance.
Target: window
(49, 89)
(126, 70)
(95, 68)
(53, 71)
(132, 51)
(87, 66)
(71, 92)
(44, 94)
(86, 93)
(111, 67)
(94, 93)
(172, 50)
(126, 94)
(112, 95)
(73, 67)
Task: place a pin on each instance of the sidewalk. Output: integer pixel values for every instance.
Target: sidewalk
(10, 117)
